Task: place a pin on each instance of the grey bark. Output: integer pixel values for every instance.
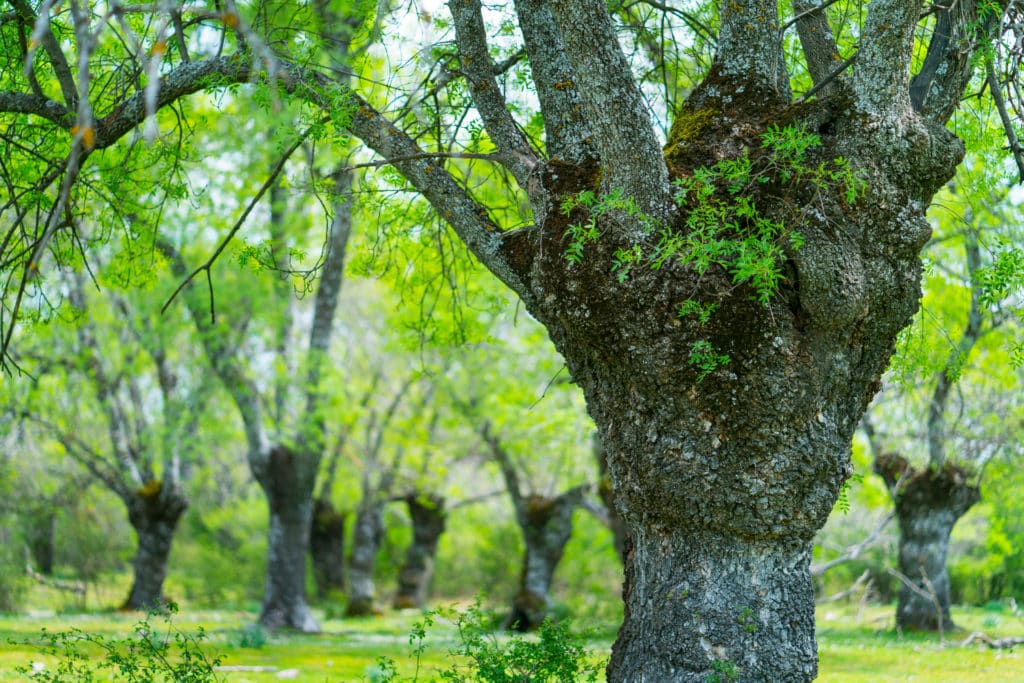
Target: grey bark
(607, 495)
(287, 479)
(429, 517)
(546, 525)
(928, 504)
(367, 536)
(327, 547)
(154, 512)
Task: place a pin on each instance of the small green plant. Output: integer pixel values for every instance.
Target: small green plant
(151, 655)
(843, 501)
(724, 670)
(552, 656)
(747, 620)
(250, 637)
(705, 359)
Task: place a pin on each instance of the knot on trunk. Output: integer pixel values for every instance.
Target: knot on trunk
(947, 487)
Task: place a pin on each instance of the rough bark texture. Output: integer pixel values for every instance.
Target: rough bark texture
(604, 490)
(730, 477)
(928, 503)
(287, 481)
(366, 539)
(154, 512)
(428, 517)
(546, 524)
(327, 548)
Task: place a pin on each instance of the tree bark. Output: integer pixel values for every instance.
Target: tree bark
(546, 524)
(287, 478)
(367, 536)
(154, 512)
(327, 548)
(928, 504)
(730, 475)
(428, 517)
(604, 490)
(41, 536)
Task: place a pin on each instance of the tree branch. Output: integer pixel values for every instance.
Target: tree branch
(630, 156)
(58, 61)
(936, 90)
(471, 37)
(881, 77)
(749, 49)
(566, 129)
(817, 41)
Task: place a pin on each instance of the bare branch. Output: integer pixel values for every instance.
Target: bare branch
(566, 129)
(881, 77)
(631, 158)
(749, 50)
(936, 90)
(853, 552)
(49, 43)
(513, 148)
(818, 42)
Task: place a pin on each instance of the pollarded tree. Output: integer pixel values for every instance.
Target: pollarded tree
(729, 302)
(117, 389)
(959, 395)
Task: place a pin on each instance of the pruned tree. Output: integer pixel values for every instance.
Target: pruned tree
(727, 302)
(958, 427)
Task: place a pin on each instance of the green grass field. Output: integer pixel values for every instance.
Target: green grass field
(854, 647)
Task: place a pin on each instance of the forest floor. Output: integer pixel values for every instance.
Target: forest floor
(856, 645)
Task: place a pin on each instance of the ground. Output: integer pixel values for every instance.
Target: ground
(856, 646)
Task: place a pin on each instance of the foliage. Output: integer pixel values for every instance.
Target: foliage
(554, 656)
(148, 656)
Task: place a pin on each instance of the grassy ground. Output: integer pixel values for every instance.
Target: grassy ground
(855, 646)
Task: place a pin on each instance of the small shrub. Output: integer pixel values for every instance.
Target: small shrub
(150, 655)
(251, 637)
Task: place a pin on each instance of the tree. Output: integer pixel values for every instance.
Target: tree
(727, 303)
(962, 428)
(117, 392)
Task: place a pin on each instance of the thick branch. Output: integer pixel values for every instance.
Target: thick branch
(749, 50)
(937, 88)
(508, 470)
(566, 129)
(881, 77)
(817, 41)
(513, 149)
(630, 156)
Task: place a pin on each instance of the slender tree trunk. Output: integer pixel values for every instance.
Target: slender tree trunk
(287, 478)
(41, 536)
(367, 536)
(327, 548)
(928, 504)
(154, 512)
(428, 523)
(546, 524)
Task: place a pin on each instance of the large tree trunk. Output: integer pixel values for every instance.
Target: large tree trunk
(287, 480)
(327, 548)
(367, 535)
(428, 523)
(154, 512)
(722, 478)
(928, 504)
(546, 524)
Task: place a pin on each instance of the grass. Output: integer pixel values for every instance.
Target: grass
(853, 646)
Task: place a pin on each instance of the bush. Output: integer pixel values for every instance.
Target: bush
(554, 655)
(151, 654)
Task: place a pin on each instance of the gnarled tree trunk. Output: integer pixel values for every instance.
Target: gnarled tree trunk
(928, 504)
(546, 524)
(428, 517)
(154, 512)
(287, 478)
(367, 535)
(327, 547)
